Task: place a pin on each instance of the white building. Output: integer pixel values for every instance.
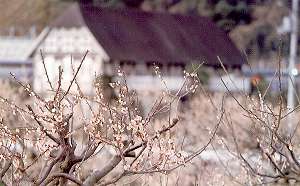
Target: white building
(133, 40)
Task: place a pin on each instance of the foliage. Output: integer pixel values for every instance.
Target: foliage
(104, 82)
(227, 14)
(203, 73)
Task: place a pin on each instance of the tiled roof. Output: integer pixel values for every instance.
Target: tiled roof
(135, 35)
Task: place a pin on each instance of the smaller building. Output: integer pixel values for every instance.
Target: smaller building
(15, 57)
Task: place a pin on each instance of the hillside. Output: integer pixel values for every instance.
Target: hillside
(22, 14)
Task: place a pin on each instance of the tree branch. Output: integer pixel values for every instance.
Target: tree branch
(5, 168)
(99, 174)
(46, 72)
(86, 153)
(74, 77)
(64, 175)
(42, 126)
(47, 169)
(134, 147)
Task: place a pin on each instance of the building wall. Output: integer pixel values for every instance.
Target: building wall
(141, 76)
(14, 57)
(58, 48)
(234, 82)
(61, 43)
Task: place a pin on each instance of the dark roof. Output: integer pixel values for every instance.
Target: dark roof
(134, 35)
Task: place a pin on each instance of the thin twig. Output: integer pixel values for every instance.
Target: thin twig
(42, 126)
(46, 72)
(74, 77)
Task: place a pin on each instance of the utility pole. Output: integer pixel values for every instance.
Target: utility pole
(292, 60)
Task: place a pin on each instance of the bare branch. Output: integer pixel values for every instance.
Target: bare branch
(74, 77)
(134, 147)
(8, 163)
(46, 72)
(63, 175)
(99, 174)
(47, 169)
(42, 126)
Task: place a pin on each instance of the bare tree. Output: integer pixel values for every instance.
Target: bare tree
(277, 156)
